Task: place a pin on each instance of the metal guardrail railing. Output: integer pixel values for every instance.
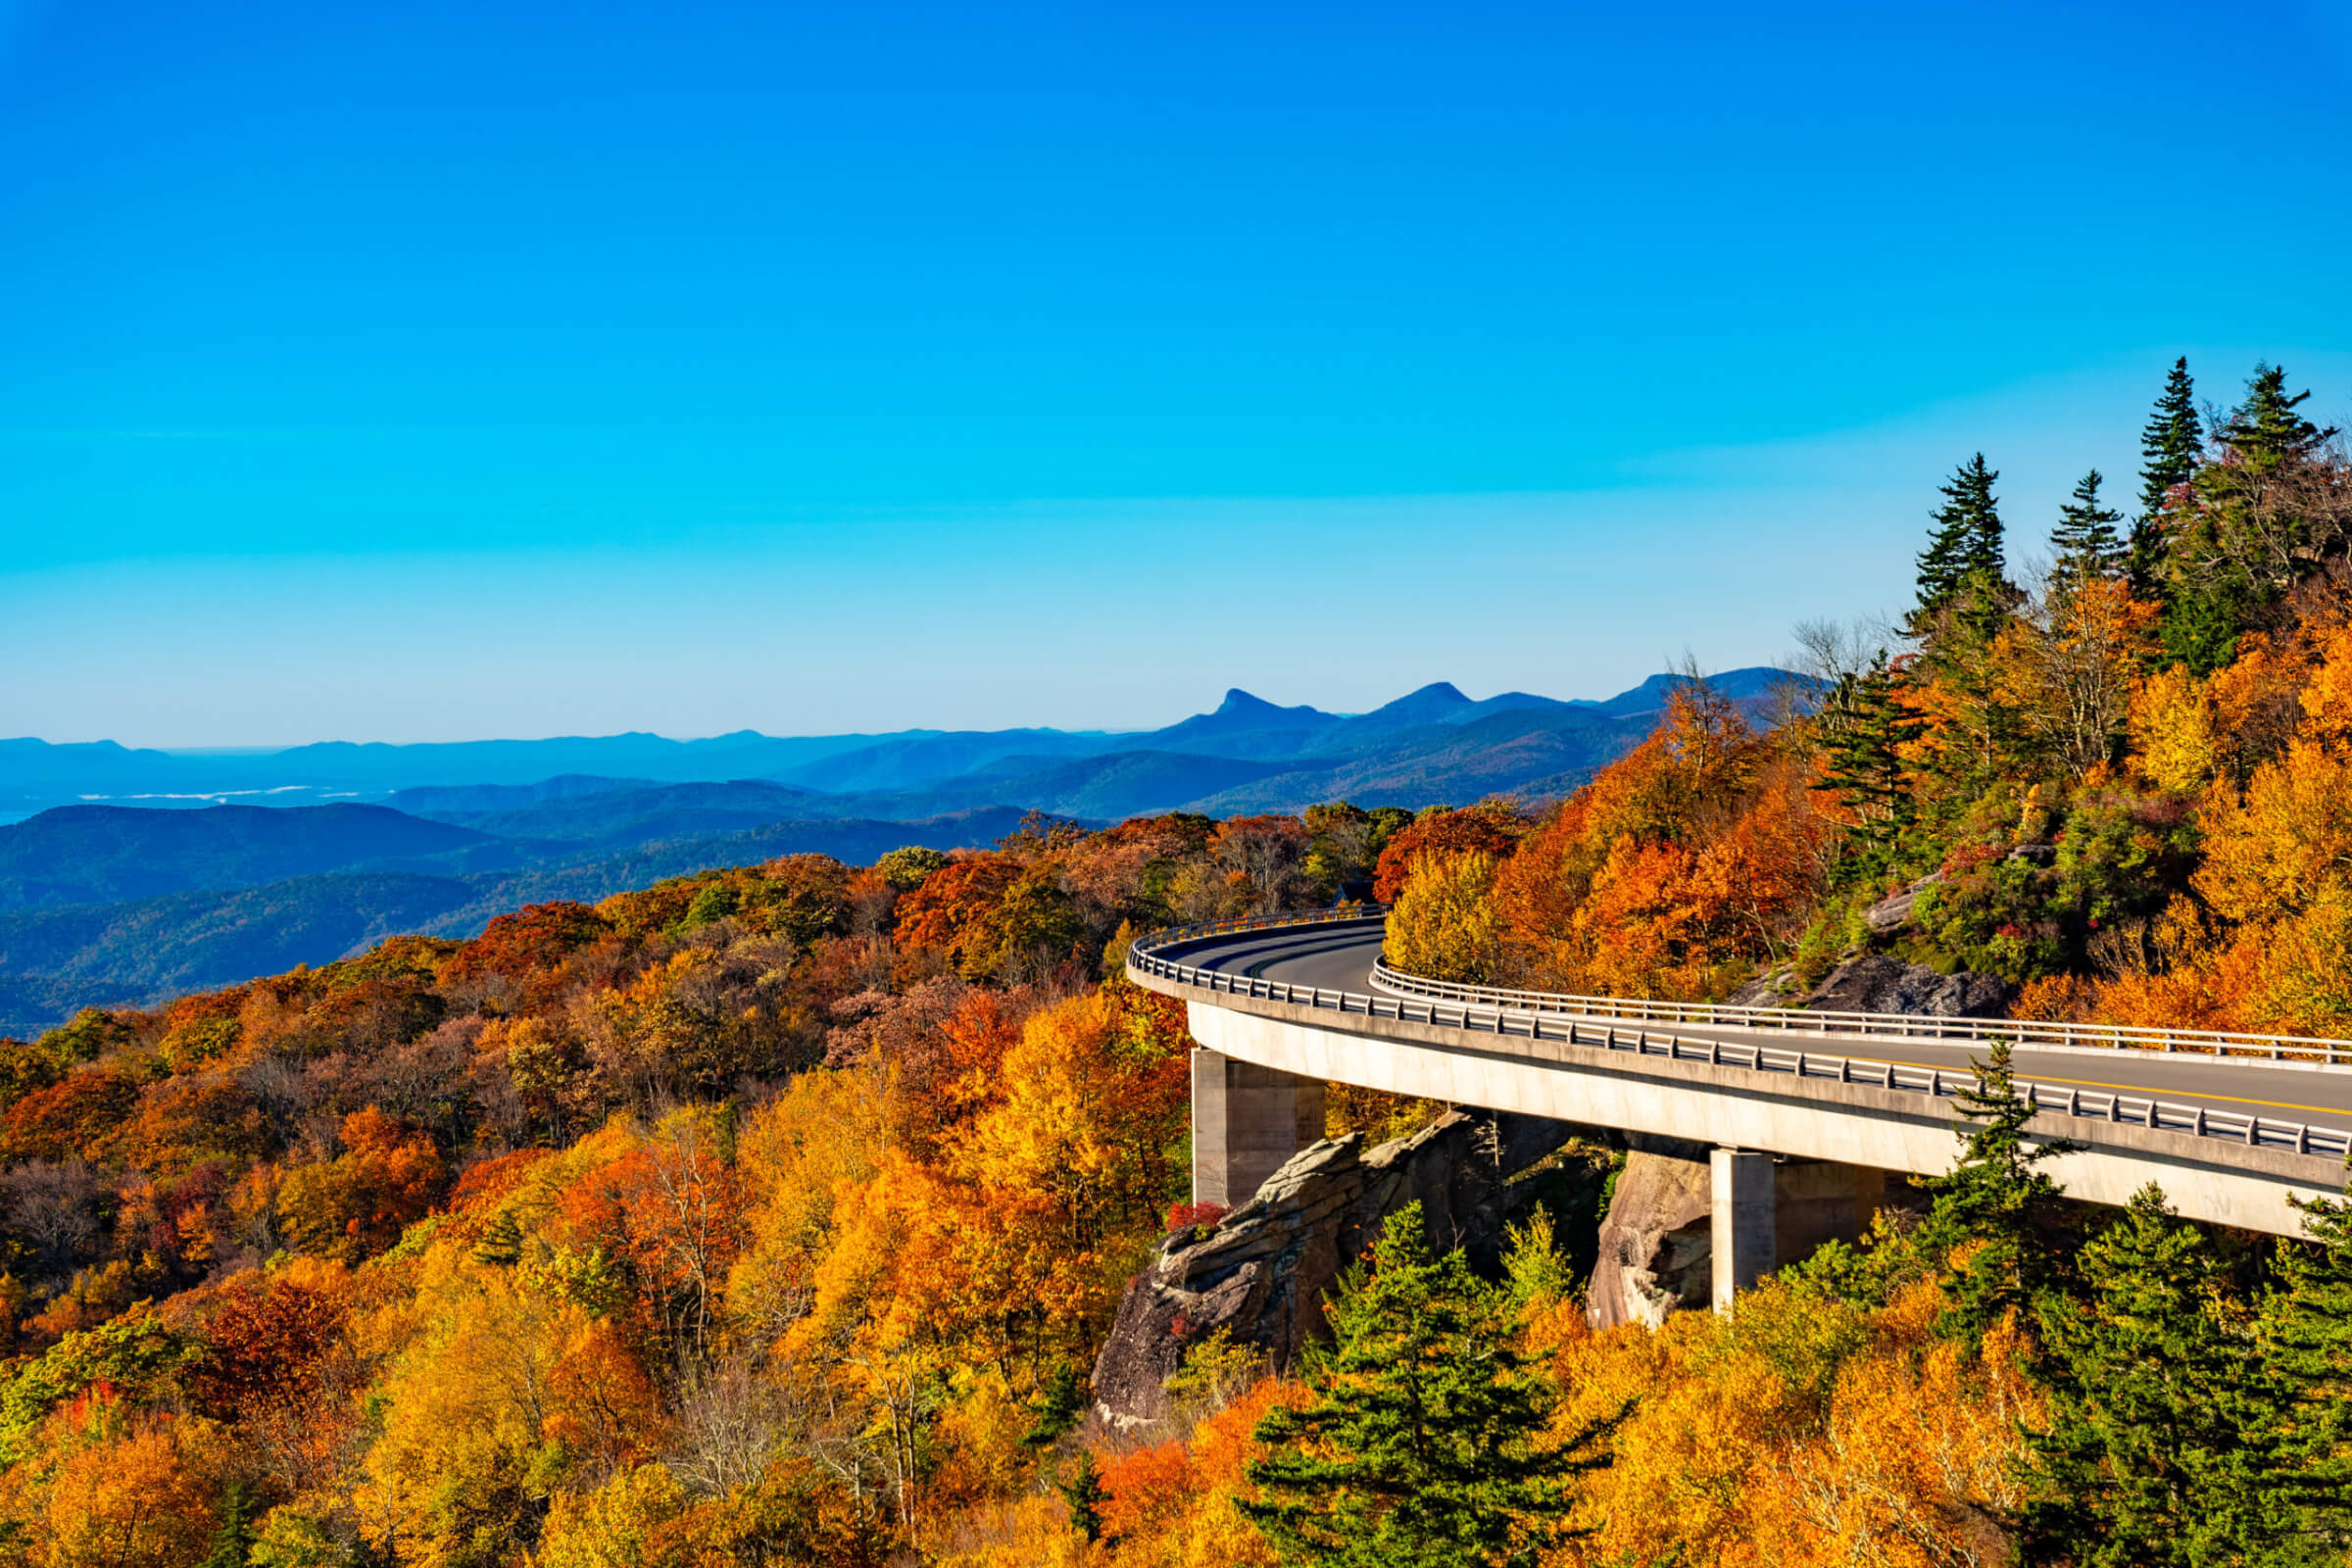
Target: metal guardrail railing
(1506, 1022)
(1882, 1025)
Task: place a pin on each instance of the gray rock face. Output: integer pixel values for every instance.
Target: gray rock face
(1263, 1270)
(1895, 911)
(1772, 988)
(1656, 1244)
(1877, 983)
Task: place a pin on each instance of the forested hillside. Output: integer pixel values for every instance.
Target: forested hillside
(777, 1214)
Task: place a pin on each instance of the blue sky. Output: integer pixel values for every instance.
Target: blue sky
(431, 372)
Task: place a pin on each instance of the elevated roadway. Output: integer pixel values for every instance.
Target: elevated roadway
(2230, 1127)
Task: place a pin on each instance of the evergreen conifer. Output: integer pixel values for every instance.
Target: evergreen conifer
(1967, 542)
(2170, 445)
(1059, 1405)
(1864, 724)
(2172, 441)
(2158, 1448)
(2307, 1333)
(2084, 543)
(2234, 547)
(1083, 1493)
(1996, 1209)
(500, 1245)
(1427, 1440)
(232, 1544)
(2269, 429)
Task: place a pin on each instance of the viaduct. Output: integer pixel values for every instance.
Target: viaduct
(1806, 1112)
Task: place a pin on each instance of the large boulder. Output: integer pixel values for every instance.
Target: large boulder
(1262, 1271)
(1657, 1241)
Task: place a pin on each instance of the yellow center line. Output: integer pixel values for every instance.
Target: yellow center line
(2153, 1094)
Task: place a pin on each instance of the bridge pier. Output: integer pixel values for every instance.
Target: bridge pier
(1743, 1225)
(1767, 1213)
(1247, 1121)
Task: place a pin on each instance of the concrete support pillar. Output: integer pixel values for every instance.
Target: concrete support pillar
(1247, 1121)
(1743, 1223)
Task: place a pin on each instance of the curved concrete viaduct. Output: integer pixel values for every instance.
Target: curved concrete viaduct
(2231, 1131)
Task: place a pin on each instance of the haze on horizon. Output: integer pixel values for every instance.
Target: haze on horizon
(463, 372)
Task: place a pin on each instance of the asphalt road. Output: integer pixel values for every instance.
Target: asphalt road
(1342, 960)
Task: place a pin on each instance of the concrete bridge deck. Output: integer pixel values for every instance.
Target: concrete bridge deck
(2229, 1138)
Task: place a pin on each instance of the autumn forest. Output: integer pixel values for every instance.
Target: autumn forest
(777, 1215)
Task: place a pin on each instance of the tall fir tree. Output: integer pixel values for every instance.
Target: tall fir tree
(233, 1542)
(2085, 545)
(2172, 441)
(1864, 724)
(2269, 429)
(2160, 1445)
(1426, 1440)
(1967, 541)
(2170, 445)
(1059, 1405)
(1996, 1211)
(2307, 1337)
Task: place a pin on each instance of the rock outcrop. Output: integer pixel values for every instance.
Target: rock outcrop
(1658, 1240)
(1878, 983)
(1776, 986)
(1656, 1244)
(1895, 911)
(1262, 1271)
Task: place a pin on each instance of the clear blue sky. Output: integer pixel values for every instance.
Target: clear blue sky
(437, 371)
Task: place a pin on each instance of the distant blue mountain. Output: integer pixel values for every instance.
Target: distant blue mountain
(880, 776)
(1739, 685)
(102, 853)
(913, 760)
(454, 800)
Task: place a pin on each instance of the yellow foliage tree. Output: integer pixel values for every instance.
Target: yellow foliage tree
(106, 1486)
(1444, 925)
(493, 1393)
(2172, 731)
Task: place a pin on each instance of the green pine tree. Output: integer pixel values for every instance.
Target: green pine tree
(2171, 442)
(2307, 1333)
(2085, 544)
(1425, 1443)
(1083, 1491)
(1059, 1404)
(2268, 429)
(1996, 1209)
(2204, 616)
(2240, 539)
(500, 1245)
(2157, 1451)
(1967, 541)
(231, 1545)
(1864, 726)
(2170, 445)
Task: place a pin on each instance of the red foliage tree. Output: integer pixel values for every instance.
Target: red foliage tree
(1490, 828)
(535, 938)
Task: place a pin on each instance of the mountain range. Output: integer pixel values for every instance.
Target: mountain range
(302, 854)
